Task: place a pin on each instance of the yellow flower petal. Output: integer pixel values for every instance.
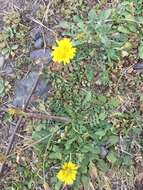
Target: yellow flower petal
(64, 52)
(68, 173)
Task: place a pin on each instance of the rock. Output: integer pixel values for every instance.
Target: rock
(23, 88)
(103, 152)
(35, 33)
(38, 43)
(138, 67)
(41, 53)
(1, 61)
(8, 70)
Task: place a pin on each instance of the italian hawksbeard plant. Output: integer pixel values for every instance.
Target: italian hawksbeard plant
(67, 173)
(64, 52)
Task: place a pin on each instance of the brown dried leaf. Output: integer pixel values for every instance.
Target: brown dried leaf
(93, 171)
(3, 158)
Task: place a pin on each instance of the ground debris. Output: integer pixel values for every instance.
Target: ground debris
(40, 53)
(24, 86)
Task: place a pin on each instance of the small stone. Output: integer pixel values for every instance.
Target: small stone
(38, 43)
(138, 67)
(1, 61)
(103, 152)
(35, 33)
(41, 53)
(8, 70)
(23, 88)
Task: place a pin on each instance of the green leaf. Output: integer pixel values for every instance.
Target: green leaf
(92, 15)
(89, 73)
(140, 19)
(5, 51)
(113, 102)
(123, 29)
(58, 185)
(87, 98)
(100, 133)
(69, 143)
(76, 19)
(104, 77)
(140, 50)
(127, 160)
(102, 165)
(113, 140)
(102, 99)
(85, 180)
(102, 115)
(87, 148)
(112, 157)
(82, 26)
(105, 14)
(55, 155)
(64, 25)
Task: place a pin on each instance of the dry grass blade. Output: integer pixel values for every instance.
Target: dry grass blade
(46, 186)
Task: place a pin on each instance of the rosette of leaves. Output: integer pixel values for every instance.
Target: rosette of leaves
(12, 19)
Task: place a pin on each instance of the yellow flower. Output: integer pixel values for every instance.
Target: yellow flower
(15, 112)
(12, 111)
(64, 52)
(68, 173)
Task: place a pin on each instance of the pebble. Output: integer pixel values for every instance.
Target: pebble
(138, 67)
(38, 43)
(23, 88)
(35, 33)
(8, 70)
(41, 53)
(103, 152)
